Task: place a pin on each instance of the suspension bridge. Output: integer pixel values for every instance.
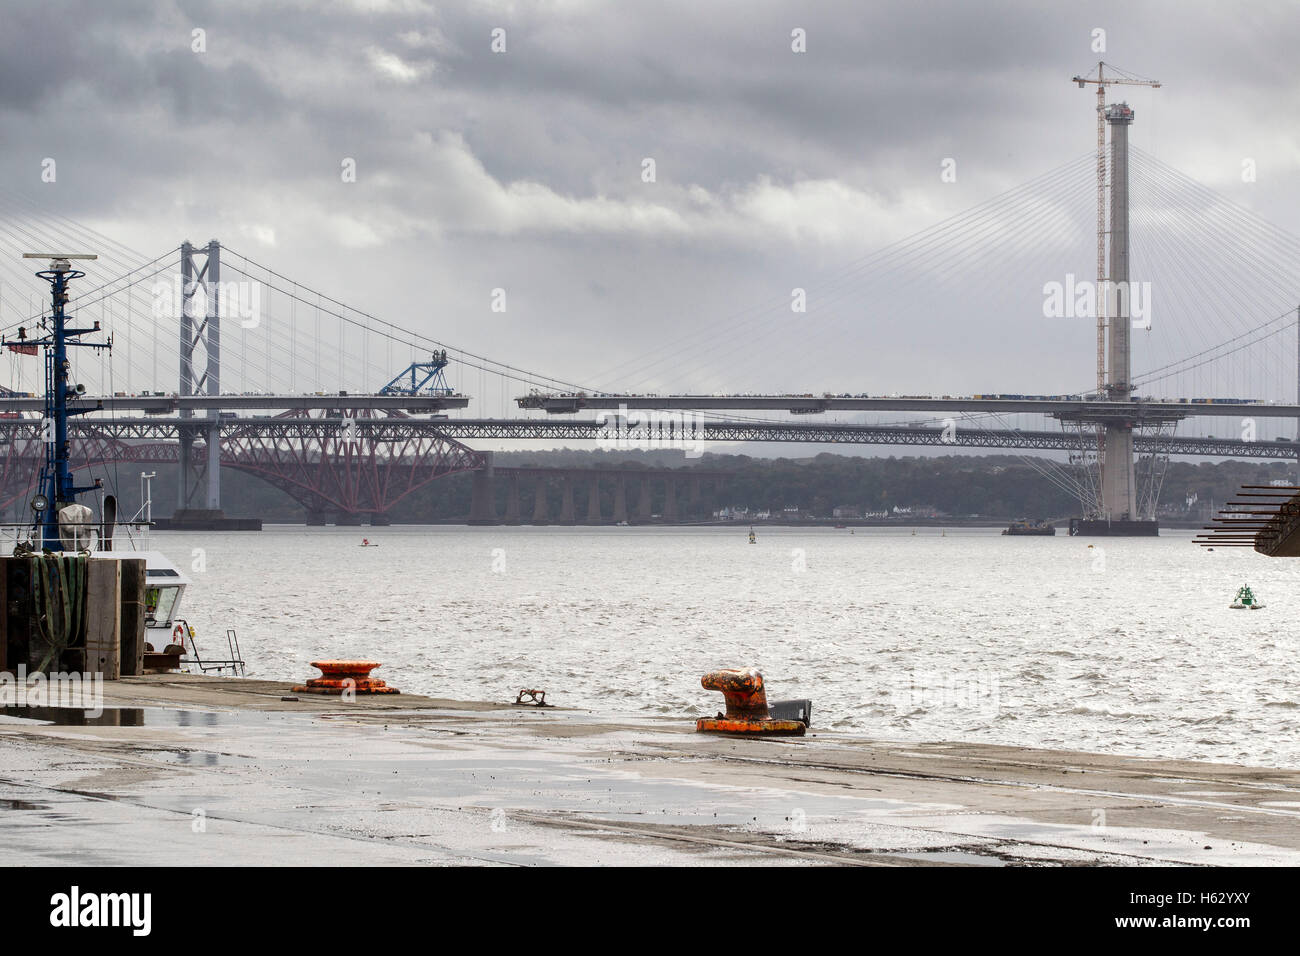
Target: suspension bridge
(220, 361)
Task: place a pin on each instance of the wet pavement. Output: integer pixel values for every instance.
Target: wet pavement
(204, 770)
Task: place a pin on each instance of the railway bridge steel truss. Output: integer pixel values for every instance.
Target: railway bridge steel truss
(364, 461)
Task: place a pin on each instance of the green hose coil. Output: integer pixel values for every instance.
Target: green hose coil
(60, 596)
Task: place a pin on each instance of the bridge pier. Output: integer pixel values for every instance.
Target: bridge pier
(670, 500)
(566, 499)
(540, 513)
(1118, 480)
(643, 501)
(185, 451)
(512, 500)
(593, 502)
(214, 465)
(620, 500)
(483, 506)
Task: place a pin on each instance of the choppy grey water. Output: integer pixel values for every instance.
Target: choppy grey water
(1125, 647)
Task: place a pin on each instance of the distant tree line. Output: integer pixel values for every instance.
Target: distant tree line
(989, 486)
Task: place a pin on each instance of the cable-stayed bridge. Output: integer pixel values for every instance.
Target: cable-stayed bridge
(220, 360)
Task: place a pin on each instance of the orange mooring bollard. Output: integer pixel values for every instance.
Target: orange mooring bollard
(339, 676)
(747, 711)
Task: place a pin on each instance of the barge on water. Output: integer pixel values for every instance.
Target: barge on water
(1024, 527)
(1113, 528)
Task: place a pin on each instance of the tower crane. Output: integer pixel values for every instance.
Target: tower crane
(1102, 80)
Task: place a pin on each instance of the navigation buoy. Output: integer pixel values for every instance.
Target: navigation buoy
(1245, 600)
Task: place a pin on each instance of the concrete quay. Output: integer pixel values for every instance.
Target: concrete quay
(196, 770)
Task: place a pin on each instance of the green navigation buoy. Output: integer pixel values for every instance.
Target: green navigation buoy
(1245, 600)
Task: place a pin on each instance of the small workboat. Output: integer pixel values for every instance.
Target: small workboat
(1245, 600)
(752, 537)
(367, 543)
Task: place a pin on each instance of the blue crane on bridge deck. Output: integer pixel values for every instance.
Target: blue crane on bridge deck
(421, 378)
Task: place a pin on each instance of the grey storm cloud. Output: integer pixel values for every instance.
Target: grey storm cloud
(522, 170)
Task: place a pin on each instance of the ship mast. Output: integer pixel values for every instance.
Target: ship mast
(56, 487)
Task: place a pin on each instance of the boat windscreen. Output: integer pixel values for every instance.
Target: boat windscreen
(158, 604)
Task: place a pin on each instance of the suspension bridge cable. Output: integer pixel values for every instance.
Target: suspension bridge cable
(1041, 224)
(952, 258)
(936, 241)
(513, 372)
(873, 262)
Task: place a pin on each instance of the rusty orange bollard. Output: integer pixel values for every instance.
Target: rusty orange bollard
(747, 710)
(339, 676)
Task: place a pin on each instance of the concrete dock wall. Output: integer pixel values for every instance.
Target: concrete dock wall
(109, 636)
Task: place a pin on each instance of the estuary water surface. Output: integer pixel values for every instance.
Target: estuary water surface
(1125, 647)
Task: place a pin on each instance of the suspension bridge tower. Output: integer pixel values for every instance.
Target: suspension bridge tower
(1118, 481)
(1120, 507)
(198, 505)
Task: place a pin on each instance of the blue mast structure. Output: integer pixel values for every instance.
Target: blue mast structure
(56, 487)
(421, 378)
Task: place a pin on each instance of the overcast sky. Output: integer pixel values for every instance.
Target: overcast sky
(522, 170)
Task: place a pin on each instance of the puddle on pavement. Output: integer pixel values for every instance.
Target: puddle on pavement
(201, 758)
(76, 716)
(124, 716)
(548, 785)
(22, 805)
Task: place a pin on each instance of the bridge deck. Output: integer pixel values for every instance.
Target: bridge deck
(797, 404)
(164, 404)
